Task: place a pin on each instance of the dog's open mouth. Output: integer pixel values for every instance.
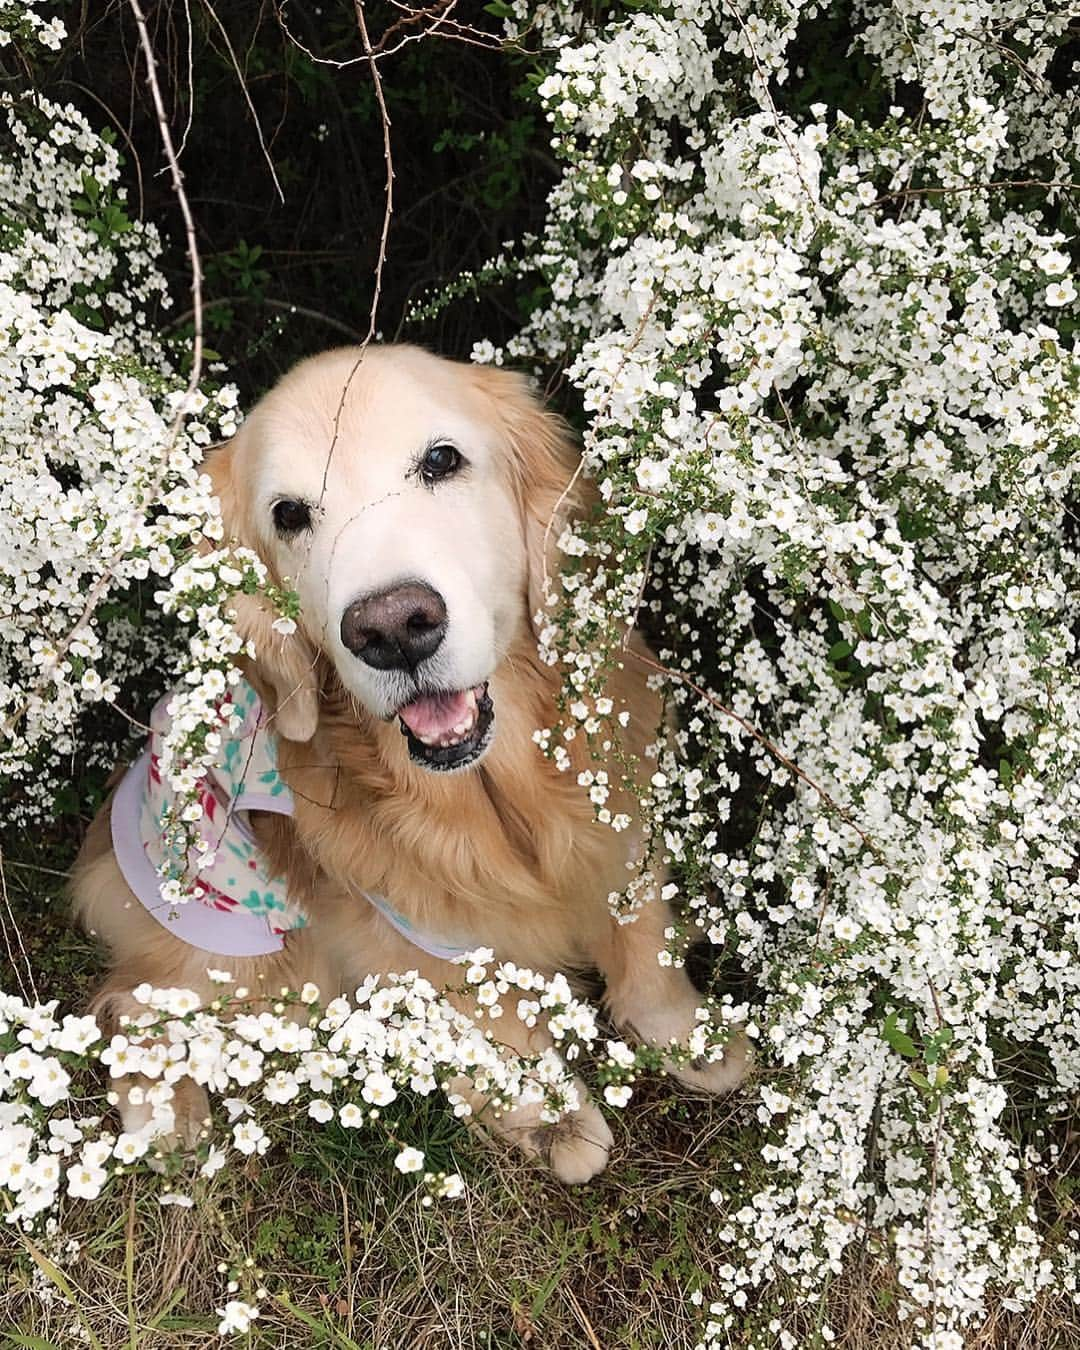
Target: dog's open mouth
(448, 730)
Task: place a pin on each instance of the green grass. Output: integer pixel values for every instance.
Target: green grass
(351, 1257)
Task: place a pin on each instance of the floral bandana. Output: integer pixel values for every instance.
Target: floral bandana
(236, 908)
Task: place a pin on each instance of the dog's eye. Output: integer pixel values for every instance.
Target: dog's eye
(440, 461)
(290, 516)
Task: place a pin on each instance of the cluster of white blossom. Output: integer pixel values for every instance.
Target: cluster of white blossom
(21, 23)
(100, 485)
(832, 390)
(345, 1062)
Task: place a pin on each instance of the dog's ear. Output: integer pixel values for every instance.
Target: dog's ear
(284, 671)
(545, 469)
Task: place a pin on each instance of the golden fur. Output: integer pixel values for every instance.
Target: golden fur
(508, 850)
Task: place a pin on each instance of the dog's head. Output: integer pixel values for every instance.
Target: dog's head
(409, 500)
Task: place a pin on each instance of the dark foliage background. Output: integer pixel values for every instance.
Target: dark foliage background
(284, 278)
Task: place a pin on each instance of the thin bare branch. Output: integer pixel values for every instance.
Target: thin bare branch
(442, 26)
(285, 306)
(190, 79)
(388, 211)
(1062, 185)
(247, 98)
(376, 80)
(185, 210)
(438, 11)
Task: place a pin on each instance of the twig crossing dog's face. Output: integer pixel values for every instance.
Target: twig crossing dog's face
(398, 493)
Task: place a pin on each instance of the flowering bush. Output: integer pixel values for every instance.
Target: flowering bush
(401, 1034)
(100, 445)
(99, 479)
(826, 354)
(829, 365)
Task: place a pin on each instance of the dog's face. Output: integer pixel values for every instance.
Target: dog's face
(395, 496)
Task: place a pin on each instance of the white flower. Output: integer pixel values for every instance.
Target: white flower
(378, 1089)
(846, 929)
(236, 1317)
(130, 1147)
(1060, 293)
(1052, 261)
(636, 520)
(409, 1160)
(249, 1138)
(86, 1181)
(216, 1159)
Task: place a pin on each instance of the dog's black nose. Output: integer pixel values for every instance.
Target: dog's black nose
(397, 628)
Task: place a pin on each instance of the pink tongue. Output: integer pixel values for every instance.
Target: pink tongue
(434, 715)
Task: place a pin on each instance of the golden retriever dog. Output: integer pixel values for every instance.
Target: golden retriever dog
(410, 500)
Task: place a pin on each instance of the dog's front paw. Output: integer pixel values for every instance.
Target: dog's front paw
(173, 1126)
(576, 1147)
(674, 1026)
(721, 1075)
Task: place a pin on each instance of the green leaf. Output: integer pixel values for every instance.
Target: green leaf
(897, 1039)
(936, 1043)
(919, 1079)
(839, 650)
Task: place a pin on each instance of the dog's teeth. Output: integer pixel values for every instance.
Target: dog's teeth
(474, 702)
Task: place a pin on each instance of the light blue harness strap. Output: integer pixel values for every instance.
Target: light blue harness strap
(443, 951)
